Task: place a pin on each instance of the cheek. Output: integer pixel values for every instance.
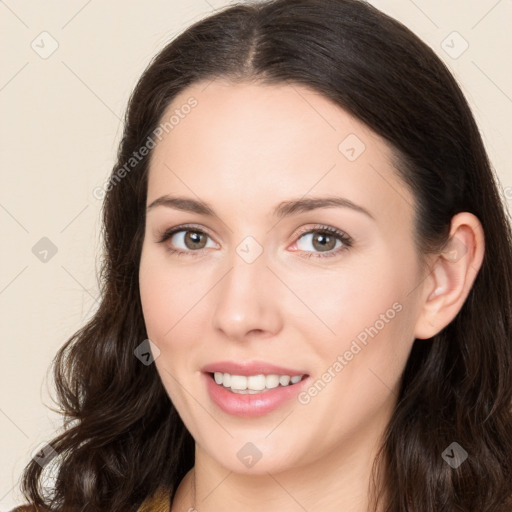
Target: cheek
(368, 317)
(155, 299)
(167, 294)
(357, 370)
(349, 300)
(165, 299)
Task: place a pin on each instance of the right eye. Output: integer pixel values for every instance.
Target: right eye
(187, 239)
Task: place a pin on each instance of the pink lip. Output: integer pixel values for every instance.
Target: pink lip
(250, 368)
(247, 405)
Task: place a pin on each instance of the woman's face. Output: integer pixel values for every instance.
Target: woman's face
(263, 275)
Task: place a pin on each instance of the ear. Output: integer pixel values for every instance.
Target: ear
(451, 276)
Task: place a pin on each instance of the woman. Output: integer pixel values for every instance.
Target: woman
(307, 283)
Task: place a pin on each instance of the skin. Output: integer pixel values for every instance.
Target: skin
(244, 149)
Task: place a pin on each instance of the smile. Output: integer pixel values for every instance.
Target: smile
(254, 383)
(271, 394)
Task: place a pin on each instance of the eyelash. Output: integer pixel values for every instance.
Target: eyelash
(340, 235)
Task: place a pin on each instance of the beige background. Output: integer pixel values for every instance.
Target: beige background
(60, 125)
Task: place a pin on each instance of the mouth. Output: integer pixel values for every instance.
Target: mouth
(254, 384)
(251, 396)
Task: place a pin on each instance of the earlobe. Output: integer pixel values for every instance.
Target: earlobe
(451, 276)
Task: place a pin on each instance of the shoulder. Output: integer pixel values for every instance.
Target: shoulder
(158, 502)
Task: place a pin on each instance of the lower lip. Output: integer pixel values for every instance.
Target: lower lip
(251, 405)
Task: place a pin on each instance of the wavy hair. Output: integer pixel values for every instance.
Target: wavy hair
(122, 437)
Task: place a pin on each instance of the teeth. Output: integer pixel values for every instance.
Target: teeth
(284, 380)
(254, 383)
(237, 382)
(272, 381)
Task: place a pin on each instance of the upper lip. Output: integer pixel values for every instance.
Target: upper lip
(250, 368)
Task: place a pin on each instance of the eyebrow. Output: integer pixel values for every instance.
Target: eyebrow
(283, 209)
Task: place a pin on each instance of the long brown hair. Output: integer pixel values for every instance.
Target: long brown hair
(124, 438)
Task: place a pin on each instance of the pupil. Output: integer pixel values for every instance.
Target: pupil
(323, 241)
(194, 237)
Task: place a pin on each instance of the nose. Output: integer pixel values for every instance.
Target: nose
(247, 301)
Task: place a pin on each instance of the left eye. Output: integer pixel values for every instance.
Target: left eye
(326, 242)
(321, 241)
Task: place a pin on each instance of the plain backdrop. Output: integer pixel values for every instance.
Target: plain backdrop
(67, 71)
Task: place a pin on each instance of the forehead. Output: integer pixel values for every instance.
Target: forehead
(256, 144)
